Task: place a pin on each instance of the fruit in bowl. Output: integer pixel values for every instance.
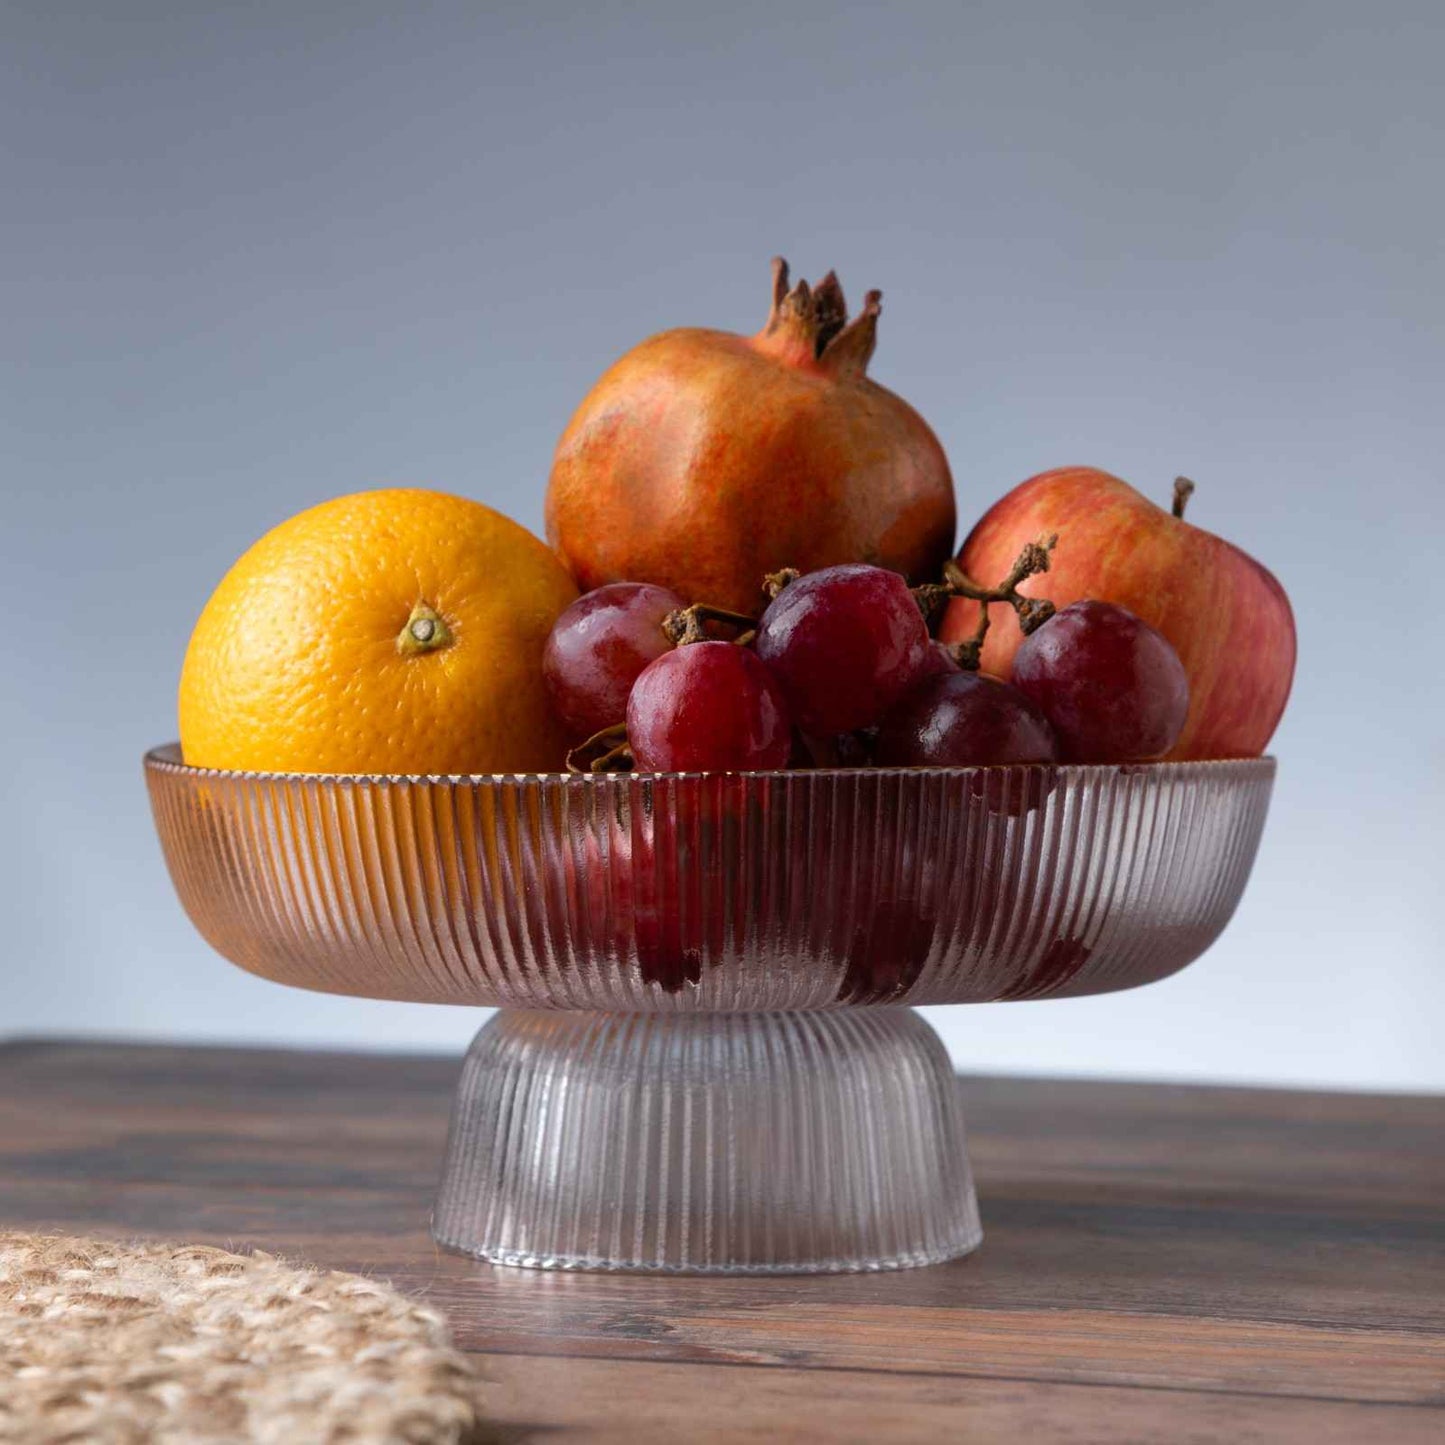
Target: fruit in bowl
(1112, 688)
(965, 719)
(845, 655)
(710, 707)
(392, 631)
(599, 647)
(703, 460)
(764, 532)
(1225, 615)
(846, 643)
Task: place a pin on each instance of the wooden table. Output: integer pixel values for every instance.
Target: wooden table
(1160, 1262)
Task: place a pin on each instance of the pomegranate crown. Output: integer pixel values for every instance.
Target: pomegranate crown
(809, 324)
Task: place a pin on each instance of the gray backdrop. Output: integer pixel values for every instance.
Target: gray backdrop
(255, 257)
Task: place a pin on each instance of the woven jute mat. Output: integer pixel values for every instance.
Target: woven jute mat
(124, 1344)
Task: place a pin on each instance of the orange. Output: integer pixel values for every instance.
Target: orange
(396, 631)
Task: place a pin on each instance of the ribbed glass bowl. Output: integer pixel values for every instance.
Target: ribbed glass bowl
(680, 1078)
(763, 891)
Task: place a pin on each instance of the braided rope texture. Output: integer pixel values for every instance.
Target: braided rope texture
(124, 1344)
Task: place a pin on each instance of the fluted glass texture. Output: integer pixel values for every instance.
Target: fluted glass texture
(713, 1143)
(727, 892)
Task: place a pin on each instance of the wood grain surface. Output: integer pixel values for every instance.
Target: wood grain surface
(1160, 1262)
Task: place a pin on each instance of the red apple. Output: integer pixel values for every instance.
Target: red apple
(1226, 616)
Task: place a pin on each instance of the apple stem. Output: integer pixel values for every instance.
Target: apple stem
(1183, 490)
(604, 752)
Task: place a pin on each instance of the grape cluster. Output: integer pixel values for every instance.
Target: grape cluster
(841, 670)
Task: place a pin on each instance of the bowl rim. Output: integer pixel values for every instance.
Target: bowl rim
(166, 758)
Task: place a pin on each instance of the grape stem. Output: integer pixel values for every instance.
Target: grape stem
(1032, 612)
(688, 624)
(1183, 490)
(604, 752)
(774, 582)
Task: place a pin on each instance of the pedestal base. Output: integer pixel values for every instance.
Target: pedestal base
(767, 1143)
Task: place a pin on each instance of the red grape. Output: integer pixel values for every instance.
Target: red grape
(708, 707)
(1113, 688)
(969, 720)
(845, 643)
(847, 750)
(630, 909)
(659, 884)
(939, 661)
(964, 720)
(887, 952)
(597, 649)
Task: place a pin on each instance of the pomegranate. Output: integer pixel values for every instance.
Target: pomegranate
(703, 460)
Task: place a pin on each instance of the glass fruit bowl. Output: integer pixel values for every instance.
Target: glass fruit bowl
(706, 1059)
